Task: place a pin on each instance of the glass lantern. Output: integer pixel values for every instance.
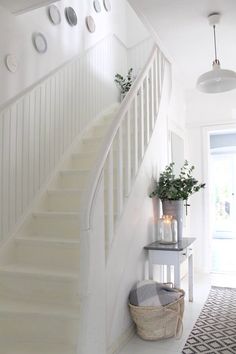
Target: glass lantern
(167, 229)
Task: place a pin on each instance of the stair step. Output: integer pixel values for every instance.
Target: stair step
(82, 160)
(42, 272)
(72, 179)
(62, 200)
(52, 224)
(74, 241)
(19, 281)
(38, 327)
(8, 306)
(13, 347)
(100, 130)
(47, 252)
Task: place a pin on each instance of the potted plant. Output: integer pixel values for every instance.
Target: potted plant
(173, 191)
(124, 83)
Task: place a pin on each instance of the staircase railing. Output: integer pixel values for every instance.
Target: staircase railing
(109, 184)
(126, 141)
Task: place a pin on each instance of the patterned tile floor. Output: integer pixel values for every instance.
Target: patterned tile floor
(202, 285)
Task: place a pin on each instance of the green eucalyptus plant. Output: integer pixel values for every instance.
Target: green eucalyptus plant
(124, 83)
(176, 188)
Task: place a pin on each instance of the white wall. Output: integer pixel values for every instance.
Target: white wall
(211, 111)
(64, 41)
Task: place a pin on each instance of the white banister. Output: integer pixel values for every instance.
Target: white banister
(110, 199)
(120, 189)
(152, 96)
(128, 155)
(135, 135)
(113, 173)
(142, 120)
(141, 85)
(147, 108)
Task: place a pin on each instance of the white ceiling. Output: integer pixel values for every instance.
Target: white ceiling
(19, 6)
(184, 31)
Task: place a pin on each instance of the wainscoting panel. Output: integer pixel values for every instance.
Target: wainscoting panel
(38, 128)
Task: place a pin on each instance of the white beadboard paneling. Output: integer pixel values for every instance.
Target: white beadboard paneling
(38, 128)
(138, 55)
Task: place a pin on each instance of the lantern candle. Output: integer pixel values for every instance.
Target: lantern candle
(167, 230)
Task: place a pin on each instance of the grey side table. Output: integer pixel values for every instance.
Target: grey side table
(173, 254)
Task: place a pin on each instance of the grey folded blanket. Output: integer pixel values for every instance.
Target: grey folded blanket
(152, 293)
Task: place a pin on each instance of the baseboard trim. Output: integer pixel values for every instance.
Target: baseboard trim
(123, 339)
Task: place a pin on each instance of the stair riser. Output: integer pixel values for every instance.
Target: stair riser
(66, 258)
(73, 181)
(81, 162)
(30, 288)
(38, 328)
(57, 227)
(90, 146)
(60, 202)
(100, 130)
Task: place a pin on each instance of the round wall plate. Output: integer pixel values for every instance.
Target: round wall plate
(90, 24)
(40, 42)
(54, 14)
(107, 5)
(11, 63)
(97, 6)
(71, 16)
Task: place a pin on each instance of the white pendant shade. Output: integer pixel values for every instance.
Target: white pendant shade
(217, 80)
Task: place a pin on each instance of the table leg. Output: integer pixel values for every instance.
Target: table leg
(150, 264)
(177, 275)
(190, 277)
(168, 274)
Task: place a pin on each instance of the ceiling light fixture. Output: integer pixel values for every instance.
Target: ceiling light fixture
(217, 80)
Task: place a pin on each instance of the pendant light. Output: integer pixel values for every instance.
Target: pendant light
(217, 80)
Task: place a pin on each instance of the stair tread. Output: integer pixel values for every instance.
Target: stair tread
(74, 171)
(56, 213)
(8, 306)
(54, 240)
(65, 191)
(35, 348)
(40, 271)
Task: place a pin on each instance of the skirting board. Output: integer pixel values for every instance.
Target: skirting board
(122, 340)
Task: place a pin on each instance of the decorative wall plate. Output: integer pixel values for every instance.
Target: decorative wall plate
(71, 16)
(107, 5)
(40, 42)
(54, 14)
(11, 63)
(90, 24)
(97, 6)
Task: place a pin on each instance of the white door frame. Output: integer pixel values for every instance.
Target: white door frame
(206, 131)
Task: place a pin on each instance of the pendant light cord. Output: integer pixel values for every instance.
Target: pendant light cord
(214, 31)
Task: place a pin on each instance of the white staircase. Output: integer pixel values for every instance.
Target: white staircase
(39, 277)
(53, 271)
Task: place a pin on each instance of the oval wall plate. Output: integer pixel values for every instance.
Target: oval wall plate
(97, 6)
(71, 16)
(40, 42)
(11, 63)
(54, 14)
(90, 24)
(107, 5)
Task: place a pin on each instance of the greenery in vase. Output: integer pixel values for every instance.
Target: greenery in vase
(124, 83)
(176, 188)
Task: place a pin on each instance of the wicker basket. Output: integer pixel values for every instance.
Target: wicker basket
(155, 323)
